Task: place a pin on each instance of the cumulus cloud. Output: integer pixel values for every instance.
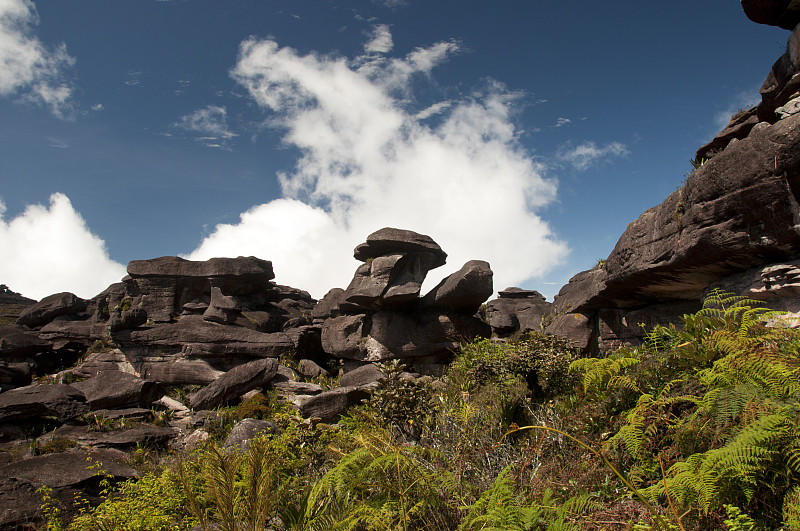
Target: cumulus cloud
(368, 160)
(583, 156)
(47, 250)
(29, 69)
(211, 123)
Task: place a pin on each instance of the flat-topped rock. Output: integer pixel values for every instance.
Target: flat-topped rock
(174, 266)
(61, 401)
(393, 241)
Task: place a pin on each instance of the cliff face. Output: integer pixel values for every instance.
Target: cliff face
(734, 224)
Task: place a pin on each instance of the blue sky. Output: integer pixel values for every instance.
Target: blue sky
(525, 133)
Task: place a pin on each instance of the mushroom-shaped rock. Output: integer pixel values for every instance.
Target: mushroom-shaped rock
(391, 241)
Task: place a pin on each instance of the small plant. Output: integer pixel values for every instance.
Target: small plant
(697, 163)
(601, 263)
(56, 445)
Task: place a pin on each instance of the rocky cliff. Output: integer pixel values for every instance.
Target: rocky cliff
(735, 223)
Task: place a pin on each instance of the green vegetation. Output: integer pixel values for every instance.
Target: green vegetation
(697, 429)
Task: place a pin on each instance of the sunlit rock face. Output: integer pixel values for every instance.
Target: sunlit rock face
(735, 224)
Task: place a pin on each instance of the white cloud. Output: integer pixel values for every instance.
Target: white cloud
(583, 156)
(212, 124)
(368, 161)
(28, 69)
(381, 40)
(562, 121)
(49, 250)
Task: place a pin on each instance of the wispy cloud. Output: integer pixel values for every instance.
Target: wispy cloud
(133, 78)
(368, 160)
(29, 69)
(742, 100)
(562, 121)
(43, 240)
(211, 123)
(380, 40)
(585, 155)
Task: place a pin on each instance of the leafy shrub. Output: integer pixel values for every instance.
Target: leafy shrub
(259, 406)
(156, 502)
(403, 402)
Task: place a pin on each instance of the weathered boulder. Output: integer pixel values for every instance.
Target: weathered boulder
(68, 474)
(342, 336)
(310, 369)
(235, 383)
(464, 291)
(331, 405)
(139, 435)
(17, 342)
(247, 429)
(120, 320)
(517, 309)
(576, 328)
(117, 389)
(366, 374)
(328, 306)
(51, 307)
(782, 13)
(61, 401)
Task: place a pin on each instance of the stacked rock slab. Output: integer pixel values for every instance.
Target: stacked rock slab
(735, 224)
(177, 321)
(381, 316)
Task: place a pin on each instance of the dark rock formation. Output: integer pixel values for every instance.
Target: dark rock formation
(68, 474)
(235, 383)
(517, 309)
(363, 375)
(51, 307)
(246, 430)
(464, 291)
(331, 405)
(380, 315)
(734, 224)
(63, 402)
(116, 389)
(141, 435)
(782, 13)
